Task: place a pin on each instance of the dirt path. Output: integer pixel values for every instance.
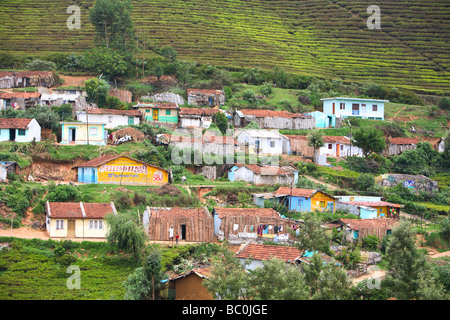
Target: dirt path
(374, 275)
(74, 81)
(330, 186)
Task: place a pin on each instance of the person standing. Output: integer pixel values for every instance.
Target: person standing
(177, 237)
(171, 234)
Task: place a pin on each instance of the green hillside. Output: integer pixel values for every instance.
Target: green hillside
(327, 38)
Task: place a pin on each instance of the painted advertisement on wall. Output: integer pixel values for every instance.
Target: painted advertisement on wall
(127, 171)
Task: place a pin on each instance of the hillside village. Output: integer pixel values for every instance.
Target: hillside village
(219, 176)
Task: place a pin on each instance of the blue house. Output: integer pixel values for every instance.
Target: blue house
(323, 120)
(342, 107)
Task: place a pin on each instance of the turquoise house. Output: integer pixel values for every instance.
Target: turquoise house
(323, 120)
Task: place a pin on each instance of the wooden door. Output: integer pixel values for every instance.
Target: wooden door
(71, 229)
(155, 114)
(334, 108)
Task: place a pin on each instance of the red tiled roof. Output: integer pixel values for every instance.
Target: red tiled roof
(178, 213)
(267, 252)
(373, 204)
(204, 91)
(24, 95)
(262, 212)
(13, 123)
(72, 210)
(266, 170)
(304, 138)
(198, 111)
(336, 139)
(135, 113)
(272, 113)
(306, 193)
(6, 74)
(403, 141)
(201, 272)
(357, 224)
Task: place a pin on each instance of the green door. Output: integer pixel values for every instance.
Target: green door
(130, 120)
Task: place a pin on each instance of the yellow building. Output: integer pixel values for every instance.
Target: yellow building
(117, 169)
(83, 133)
(77, 219)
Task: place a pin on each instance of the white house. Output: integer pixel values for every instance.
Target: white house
(339, 147)
(112, 117)
(354, 107)
(263, 175)
(262, 141)
(19, 130)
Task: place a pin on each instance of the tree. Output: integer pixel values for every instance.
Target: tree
(422, 160)
(229, 280)
(277, 280)
(244, 199)
(124, 234)
(40, 65)
(113, 24)
(369, 140)
(315, 140)
(220, 119)
(169, 53)
(406, 264)
(96, 91)
(444, 103)
(312, 236)
(365, 181)
(111, 63)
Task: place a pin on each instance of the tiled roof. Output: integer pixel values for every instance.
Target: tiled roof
(34, 73)
(272, 113)
(135, 113)
(178, 213)
(201, 272)
(204, 91)
(403, 141)
(198, 111)
(6, 74)
(96, 162)
(73, 210)
(267, 252)
(306, 193)
(336, 139)
(357, 224)
(13, 123)
(24, 95)
(261, 212)
(267, 170)
(373, 204)
(304, 138)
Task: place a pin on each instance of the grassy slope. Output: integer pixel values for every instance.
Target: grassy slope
(328, 38)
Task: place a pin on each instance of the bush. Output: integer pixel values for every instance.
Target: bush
(370, 242)
(365, 181)
(122, 201)
(64, 193)
(40, 65)
(444, 103)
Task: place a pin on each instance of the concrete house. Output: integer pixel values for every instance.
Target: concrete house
(118, 169)
(322, 119)
(191, 224)
(343, 107)
(77, 219)
(263, 175)
(19, 130)
(196, 117)
(306, 200)
(83, 133)
(396, 146)
(112, 117)
(271, 119)
(338, 146)
(205, 97)
(162, 112)
(370, 209)
(259, 141)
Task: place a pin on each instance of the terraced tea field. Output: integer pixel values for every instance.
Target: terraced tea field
(327, 38)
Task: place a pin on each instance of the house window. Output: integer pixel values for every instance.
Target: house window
(147, 110)
(110, 119)
(272, 144)
(59, 224)
(355, 106)
(342, 106)
(330, 146)
(93, 131)
(322, 203)
(374, 107)
(95, 224)
(167, 112)
(21, 132)
(342, 147)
